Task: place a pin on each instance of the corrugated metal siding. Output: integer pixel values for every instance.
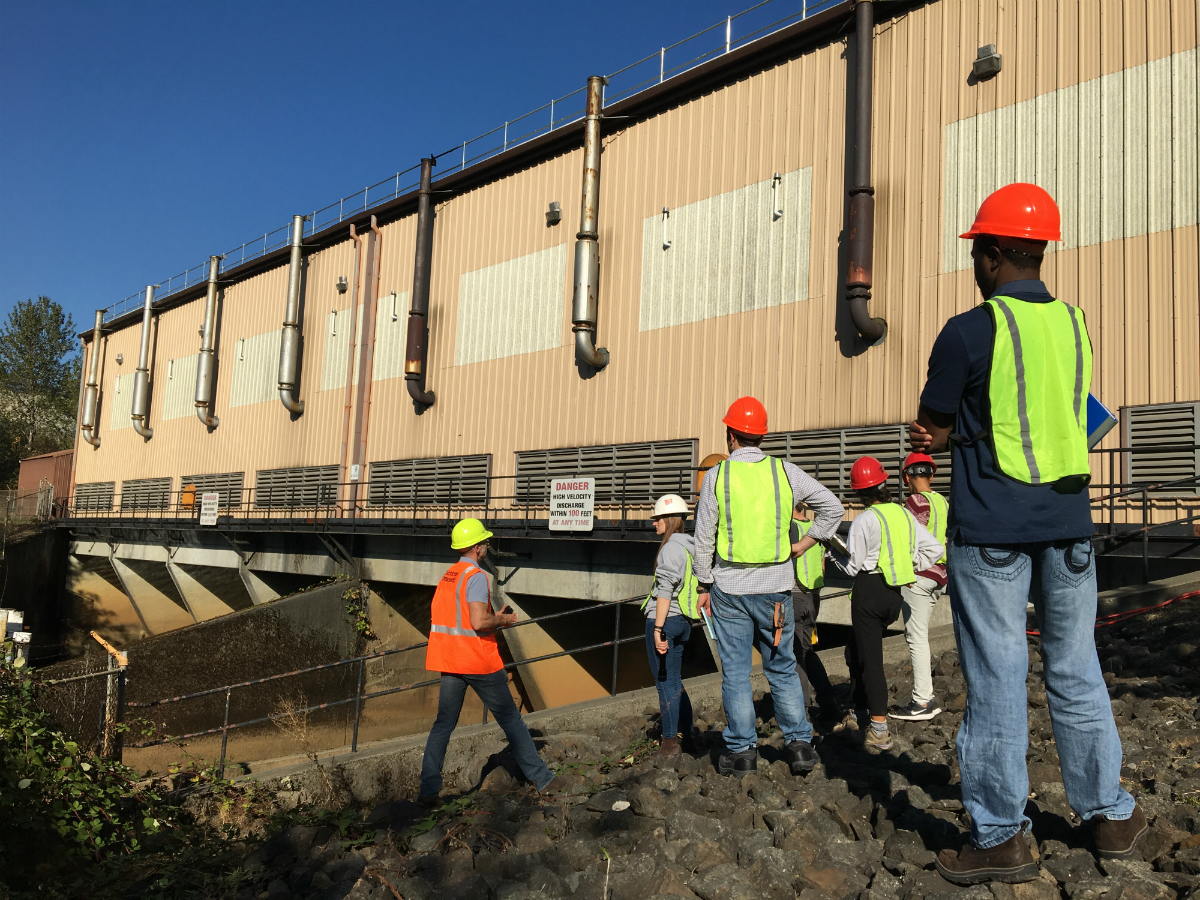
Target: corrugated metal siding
(337, 348)
(1141, 294)
(256, 369)
(731, 253)
(391, 330)
(512, 307)
(120, 402)
(1118, 152)
(179, 388)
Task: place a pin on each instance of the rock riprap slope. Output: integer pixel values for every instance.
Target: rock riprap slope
(860, 825)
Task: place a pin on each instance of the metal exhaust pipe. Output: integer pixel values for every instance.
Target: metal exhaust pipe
(587, 243)
(861, 227)
(289, 345)
(207, 360)
(91, 392)
(140, 412)
(416, 351)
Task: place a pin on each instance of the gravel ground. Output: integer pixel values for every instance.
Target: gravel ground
(861, 825)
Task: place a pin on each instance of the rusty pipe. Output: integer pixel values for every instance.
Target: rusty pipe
(348, 399)
(585, 303)
(140, 408)
(91, 392)
(416, 351)
(289, 344)
(206, 361)
(860, 229)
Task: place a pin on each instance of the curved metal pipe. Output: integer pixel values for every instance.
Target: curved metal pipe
(860, 232)
(207, 359)
(289, 344)
(587, 242)
(91, 392)
(140, 409)
(416, 352)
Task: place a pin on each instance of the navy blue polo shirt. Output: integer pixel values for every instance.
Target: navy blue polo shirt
(987, 507)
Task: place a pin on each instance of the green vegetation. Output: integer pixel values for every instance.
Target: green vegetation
(39, 383)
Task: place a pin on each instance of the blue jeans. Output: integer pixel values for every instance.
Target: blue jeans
(989, 588)
(493, 691)
(672, 698)
(741, 621)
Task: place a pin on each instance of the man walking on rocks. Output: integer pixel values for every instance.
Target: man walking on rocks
(1011, 378)
(462, 646)
(744, 558)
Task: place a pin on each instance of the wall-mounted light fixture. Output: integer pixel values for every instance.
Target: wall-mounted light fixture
(666, 215)
(393, 306)
(342, 284)
(776, 209)
(987, 63)
(241, 347)
(120, 358)
(553, 214)
(333, 322)
(170, 369)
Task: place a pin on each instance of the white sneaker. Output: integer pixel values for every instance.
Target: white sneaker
(916, 712)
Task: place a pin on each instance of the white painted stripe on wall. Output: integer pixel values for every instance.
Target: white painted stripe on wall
(337, 346)
(120, 402)
(179, 389)
(512, 307)
(390, 337)
(256, 369)
(728, 254)
(1118, 153)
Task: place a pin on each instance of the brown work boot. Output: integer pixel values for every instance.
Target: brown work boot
(557, 785)
(1117, 838)
(1010, 862)
(669, 748)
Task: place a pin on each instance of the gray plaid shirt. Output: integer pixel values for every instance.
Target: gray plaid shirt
(772, 578)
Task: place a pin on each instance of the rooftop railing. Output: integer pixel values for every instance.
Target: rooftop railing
(729, 34)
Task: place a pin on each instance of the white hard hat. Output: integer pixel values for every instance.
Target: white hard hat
(670, 505)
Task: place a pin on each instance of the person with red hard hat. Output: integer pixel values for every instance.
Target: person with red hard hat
(931, 510)
(743, 563)
(888, 546)
(1010, 378)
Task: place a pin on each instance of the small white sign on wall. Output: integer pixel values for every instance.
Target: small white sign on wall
(208, 508)
(572, 501)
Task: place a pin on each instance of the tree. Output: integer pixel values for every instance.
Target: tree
(39, 382)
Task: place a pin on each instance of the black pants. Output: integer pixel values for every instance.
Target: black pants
(874, 605)
(806, 606)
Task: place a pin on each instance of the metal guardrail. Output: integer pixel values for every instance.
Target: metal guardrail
(360, 696)
(753, 23)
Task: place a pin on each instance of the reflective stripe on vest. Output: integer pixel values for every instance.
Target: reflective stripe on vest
(896, 544)
(686, 595)
(1040, 371)
(754, 511)
(808, 564)
(460, 598)
(939, 514)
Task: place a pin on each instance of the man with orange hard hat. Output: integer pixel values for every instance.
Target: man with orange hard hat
(744, 566)
(931, 510)
(462, 646)
(1010, 378)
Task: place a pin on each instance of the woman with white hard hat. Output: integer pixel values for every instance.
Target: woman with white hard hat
(669, 620)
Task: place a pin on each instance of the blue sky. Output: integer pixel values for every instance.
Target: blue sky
(137, 138)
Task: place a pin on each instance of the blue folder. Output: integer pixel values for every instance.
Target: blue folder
(1099, 421)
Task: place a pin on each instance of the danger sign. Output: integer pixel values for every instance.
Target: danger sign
(572, 501)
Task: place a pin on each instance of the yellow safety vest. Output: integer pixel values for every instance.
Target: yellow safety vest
(896, 543)
(809, 573)
(754, 512)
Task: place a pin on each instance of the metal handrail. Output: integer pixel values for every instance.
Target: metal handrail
(465, 156)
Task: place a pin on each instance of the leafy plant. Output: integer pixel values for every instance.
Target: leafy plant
(357, 598)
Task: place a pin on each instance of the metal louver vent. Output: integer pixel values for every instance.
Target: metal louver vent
(146, 493)
(310, 486)
(1171, 430)
(227, 484)
(630, 473)
(423, 482)
(828, 455)
(98, 495)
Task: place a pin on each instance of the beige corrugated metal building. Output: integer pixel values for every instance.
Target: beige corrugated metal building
(1097, 101)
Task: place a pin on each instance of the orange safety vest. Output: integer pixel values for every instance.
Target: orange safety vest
(453, 646)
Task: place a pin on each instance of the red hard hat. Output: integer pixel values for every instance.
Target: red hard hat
(1018, 210)
(913, 458)
(867, 472)
(747, 416)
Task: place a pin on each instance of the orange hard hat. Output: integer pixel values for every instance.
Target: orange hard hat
(747, 416)
(866, 473)
(1018, 210)
(913, 458)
